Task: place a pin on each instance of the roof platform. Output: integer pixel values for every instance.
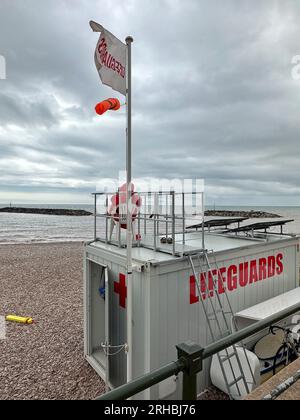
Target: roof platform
(193, 243)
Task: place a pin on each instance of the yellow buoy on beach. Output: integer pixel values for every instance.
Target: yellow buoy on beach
(19, 319)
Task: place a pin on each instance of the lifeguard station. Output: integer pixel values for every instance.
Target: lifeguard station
(185, 276)
(191, 275)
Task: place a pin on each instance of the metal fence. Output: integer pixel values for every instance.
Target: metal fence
(153, 215)
(190, 361)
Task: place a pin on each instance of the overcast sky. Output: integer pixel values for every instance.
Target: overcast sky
(213, 98)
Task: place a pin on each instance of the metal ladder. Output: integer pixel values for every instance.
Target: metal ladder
(218, 319)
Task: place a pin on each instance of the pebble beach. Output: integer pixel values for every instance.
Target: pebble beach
(44, 361)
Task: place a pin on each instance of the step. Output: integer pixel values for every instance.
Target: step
(236, 381)
(230, 356)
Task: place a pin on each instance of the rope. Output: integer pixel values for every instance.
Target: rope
(107, 347)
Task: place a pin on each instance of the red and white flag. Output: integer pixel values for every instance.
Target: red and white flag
(110, 59)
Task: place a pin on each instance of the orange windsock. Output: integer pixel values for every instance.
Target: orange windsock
(112, 104)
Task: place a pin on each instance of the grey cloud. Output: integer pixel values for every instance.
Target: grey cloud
(213, 94)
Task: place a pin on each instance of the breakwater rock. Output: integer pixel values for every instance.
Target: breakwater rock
(50, 212)
(252, 214)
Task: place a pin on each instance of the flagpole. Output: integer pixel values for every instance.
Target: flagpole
(129, 41)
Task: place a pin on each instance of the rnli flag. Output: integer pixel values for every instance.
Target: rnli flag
(110, 59)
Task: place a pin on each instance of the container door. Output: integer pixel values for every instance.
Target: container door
(97, 303)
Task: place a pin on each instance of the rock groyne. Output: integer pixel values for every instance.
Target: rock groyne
(50, 212)
(252, 214)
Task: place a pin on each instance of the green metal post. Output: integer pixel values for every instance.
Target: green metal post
(189, 387)
(191, 354)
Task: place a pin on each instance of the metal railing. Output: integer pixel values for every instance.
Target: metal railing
(159, 213)
(190, 361)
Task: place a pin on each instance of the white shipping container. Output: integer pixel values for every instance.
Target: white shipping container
(166, 305)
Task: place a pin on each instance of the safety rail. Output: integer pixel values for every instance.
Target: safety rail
(154, 214)
(190, 361)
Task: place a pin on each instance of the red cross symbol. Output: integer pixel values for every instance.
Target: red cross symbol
(121, 289)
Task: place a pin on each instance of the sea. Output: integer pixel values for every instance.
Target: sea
(35, 228)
